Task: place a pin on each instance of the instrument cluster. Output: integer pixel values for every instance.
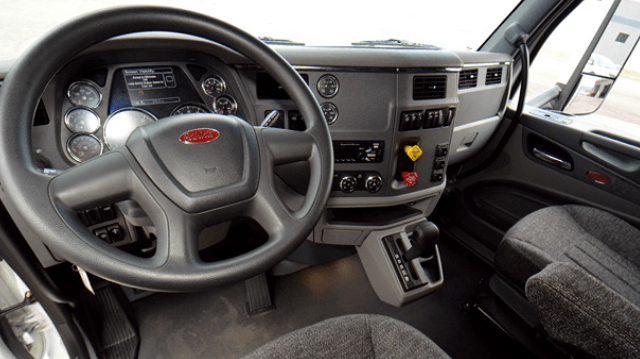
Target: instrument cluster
(98, 117)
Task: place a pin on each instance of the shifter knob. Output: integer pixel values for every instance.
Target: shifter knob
(425, 238)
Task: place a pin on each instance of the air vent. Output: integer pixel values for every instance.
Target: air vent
(429, 87)
(468, 79)
(494, 76)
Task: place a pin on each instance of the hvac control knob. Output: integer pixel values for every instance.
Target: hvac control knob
(348, 184)
(373, 184)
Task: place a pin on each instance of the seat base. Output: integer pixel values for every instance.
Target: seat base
(352, 336)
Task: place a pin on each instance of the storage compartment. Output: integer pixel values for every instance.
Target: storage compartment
(377, 216)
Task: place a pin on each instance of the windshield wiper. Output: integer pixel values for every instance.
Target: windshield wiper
(274, 41)
(392, 43)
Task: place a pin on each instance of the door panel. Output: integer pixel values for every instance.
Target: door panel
(547, 162)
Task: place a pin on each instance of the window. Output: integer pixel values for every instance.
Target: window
(622, 37)
(561, 53)
(456, 24)
(608, 95)
(619, 111)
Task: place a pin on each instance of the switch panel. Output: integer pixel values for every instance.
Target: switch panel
(440, 163)
(425, 119)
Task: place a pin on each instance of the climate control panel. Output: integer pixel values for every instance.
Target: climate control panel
(354, 181)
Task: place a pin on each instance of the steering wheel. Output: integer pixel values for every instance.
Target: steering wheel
(187, 173)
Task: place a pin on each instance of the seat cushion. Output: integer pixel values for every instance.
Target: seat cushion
(352, 336)
(577, 309)
(597, 242)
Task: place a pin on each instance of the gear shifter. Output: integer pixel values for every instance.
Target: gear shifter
(425, 238)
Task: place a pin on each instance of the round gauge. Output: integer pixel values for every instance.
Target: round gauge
(81, 120)
(84, 147)
(84, 94)
(328, 86)
(122, 123)
(225, 105)
(330, 112)
(188, 109)
(214, 85)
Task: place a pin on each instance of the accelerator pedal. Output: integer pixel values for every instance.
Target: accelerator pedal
(109, 324)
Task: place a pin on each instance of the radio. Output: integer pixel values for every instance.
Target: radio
(358, 152)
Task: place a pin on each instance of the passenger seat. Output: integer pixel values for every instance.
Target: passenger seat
(579, 267)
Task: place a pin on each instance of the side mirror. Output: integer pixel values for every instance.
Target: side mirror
(603, 61)
(589, 94)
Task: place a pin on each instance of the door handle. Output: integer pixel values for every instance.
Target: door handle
(545, 157)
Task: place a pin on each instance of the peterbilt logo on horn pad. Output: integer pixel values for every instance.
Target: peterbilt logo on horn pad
(199, 136)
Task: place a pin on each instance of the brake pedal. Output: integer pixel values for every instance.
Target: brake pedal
(258, 295)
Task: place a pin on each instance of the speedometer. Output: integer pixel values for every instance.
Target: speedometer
(188, 109)
(122, 123)
(84, 94)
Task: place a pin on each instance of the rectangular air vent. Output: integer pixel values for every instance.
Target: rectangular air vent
(494, 76)
(468, 79)
(429, 87)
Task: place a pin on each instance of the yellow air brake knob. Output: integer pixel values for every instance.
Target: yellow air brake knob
(413, 152)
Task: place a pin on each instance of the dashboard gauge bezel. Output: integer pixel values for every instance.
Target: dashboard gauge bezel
(183, 105)
(320, 81)
(233, 101)
(335, 108)
(88, 83)
(78, 108)
(219, 78)
(124, 109)
(73, 156)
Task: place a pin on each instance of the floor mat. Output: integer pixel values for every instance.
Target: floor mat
(215, 324)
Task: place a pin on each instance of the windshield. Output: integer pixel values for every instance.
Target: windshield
(456, 24)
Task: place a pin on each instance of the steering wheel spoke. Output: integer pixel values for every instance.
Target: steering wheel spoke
(285, 146)
(104, 180)
(271, 214)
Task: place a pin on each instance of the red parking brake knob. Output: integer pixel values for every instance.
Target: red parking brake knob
(410, 178)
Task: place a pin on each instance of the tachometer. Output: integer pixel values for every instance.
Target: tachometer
(188, 109)
(214, 85)
(122, 123)
(84, 147)
(225, 105)
(84, 94)
(81, 120)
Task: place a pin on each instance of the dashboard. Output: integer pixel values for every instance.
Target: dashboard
(398, 118)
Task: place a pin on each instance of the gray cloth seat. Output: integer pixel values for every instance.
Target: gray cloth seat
(579, 267)
(352, 336)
